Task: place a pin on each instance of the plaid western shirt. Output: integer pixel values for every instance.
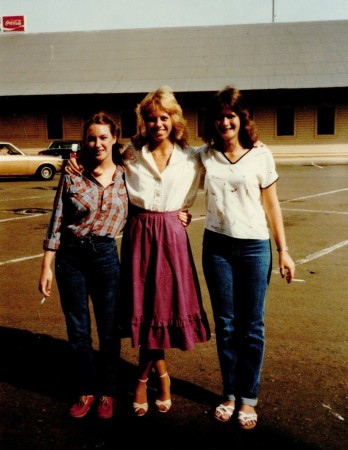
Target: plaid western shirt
(83, 207)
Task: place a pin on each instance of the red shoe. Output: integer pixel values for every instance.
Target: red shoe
(106, 407)
(81, 408)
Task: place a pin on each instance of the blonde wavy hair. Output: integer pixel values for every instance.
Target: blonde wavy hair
(163, 98)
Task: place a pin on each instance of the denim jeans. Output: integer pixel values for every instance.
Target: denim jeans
(237, 272)
(89, 268)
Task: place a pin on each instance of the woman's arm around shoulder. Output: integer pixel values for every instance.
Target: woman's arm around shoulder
(128, 153)
(73, 167)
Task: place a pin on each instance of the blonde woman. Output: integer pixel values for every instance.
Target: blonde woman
(159, 279)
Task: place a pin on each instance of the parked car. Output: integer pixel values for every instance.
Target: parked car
(15, 163)
(63, 149)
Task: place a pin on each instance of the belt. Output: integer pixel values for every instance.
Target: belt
(89, 239)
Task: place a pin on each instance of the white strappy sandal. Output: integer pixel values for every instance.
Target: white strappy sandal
(141, 409)
(243, 418)
(163, 406)
(223, 413)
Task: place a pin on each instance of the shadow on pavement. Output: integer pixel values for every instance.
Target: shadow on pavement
(34, 387)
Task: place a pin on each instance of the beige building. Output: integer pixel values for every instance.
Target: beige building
(294, 76)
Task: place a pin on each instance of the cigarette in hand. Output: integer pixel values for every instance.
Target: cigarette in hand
(43, 300)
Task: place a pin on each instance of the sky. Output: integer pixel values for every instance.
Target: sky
(85, 15)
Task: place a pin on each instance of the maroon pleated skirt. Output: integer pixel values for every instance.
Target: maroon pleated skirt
(162, 303)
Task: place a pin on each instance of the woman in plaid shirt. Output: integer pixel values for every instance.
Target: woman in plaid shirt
(89, 211)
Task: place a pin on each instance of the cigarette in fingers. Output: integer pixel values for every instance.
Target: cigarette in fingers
(43, 300)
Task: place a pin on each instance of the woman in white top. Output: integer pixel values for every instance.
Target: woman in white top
(159, 282)
(241, 200)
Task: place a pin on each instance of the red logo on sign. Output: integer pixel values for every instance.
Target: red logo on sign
(13, 23)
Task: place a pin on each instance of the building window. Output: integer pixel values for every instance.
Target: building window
(285, 121)
(55, 125)
(326, 120)
(128, 124)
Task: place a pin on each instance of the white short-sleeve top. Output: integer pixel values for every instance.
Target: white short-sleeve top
(173, 189)
(233, 192)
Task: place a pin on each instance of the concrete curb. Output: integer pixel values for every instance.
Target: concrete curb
(314, 161)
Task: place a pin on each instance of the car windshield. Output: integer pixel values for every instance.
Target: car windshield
(6, 149)
(61, 145)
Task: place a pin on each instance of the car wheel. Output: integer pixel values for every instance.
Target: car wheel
(45, 172)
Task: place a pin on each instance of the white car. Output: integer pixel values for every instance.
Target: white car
(14, 163)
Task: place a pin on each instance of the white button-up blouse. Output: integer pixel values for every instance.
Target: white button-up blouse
(173, 189)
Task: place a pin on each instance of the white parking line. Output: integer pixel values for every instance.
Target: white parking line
(25, 258)
(22, 198)
(316, 255)
(22, 217)
(321, 253)
(314, 195)
(316, 211)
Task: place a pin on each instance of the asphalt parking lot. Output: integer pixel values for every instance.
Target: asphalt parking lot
(303, 399)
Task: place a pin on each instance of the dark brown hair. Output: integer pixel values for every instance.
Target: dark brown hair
(228, 99)
(101, 118)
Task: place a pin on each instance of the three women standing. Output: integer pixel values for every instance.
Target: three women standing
(160, 287)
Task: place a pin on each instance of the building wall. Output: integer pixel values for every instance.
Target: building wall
(305, 127)
(24, 130)
(28, 130)
(305, 141)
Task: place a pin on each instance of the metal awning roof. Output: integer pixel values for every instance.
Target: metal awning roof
(189, 59)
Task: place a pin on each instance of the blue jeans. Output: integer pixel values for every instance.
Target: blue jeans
(237, 272)
(89, 268)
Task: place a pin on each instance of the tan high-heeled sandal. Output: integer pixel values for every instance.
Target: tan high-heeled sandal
(163, 406)
(141, 409)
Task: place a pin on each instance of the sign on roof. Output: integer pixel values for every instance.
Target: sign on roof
(12, 23)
